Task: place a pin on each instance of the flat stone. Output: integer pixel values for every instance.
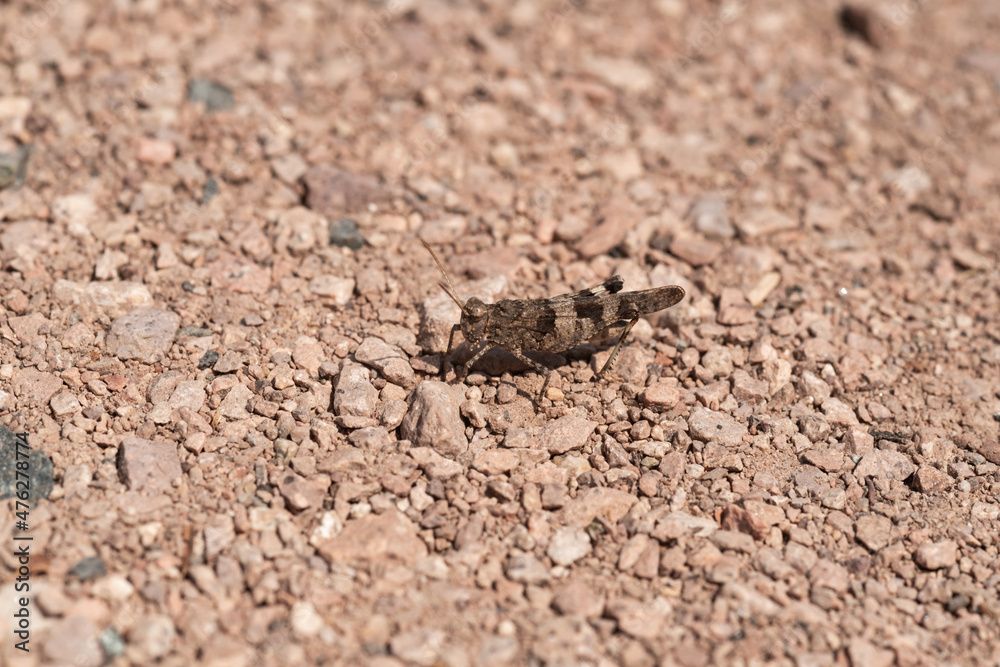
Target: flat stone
(695, 252)
(711, 426)
(611, 504)
(827, 460)
(578, 599)
(839, 413)
(434, 420)
(565, 434)
(389, 360)
(34, 387)
(234, 405)
(734, 309)
(496, 461)
(144, 335)
(884, 463)
(827, 574)
(148, 466)
(526, 569)
(763, 221)
(874, 531)
(640, 620)
(568, 545)
(354, 395)
(339, 290)
(73, 641)
(929, 479)
(375, 537)
(936, 556)
(435, 465)
(662, 395)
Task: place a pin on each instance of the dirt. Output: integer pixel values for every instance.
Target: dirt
(223, 338)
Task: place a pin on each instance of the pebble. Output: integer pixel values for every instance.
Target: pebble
(73, 641)
(857, 441)
(234, 405)
(695, 252)
(215, 96)
(335, 192)
(874, 531)
(152, 637)
(929, 479)
(148, 466)
(839, 413)
(496, 461)
(339, 290)
(640, 620)
(578, 599)
(863, 652)
(40, 479)
(156, 151)
(375, 537)
(144, 335)
(937, 555)
(389, 360)
(884, 463)
(421, 646)
(718, 361)
(619, 216)
(526, 569)
(763, 221)
(734, 309)
(827, 460)
(433, 419)
(827, 574)
(568, 545)
(77, 212)
(435, 465)
(354, 395)
(35, 387)
(611, 504)
(343, 233)
(711, 426)
(564, 434)
(228, 363)
(747, 388)
(89, 569)
(708, 213)
(662, 395)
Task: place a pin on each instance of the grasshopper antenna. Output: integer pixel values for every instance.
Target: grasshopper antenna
(449, 289)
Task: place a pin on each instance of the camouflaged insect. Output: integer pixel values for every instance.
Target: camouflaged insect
(554, 324)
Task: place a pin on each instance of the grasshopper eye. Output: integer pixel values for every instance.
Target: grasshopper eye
(475, 308)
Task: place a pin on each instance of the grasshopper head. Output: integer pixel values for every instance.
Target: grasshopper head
(475, 317)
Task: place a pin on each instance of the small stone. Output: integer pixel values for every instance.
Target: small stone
(89, 569)
(643, 621)
(435, 465)
(874, 531)
(526, 569)
(388, 359)
(215, 96)
(763, 221)
(710, 218)
(145, 335)
(711, 426)
(234, 405)
(695, 252)
(568, 545)
(734, 541)
(936, 556)
(433, 419)
(578, 599)
(354, 395)
(228, 363)
(839, 413)
(73, 641)
(421, 647)
(827, 460)
(376, 537)
(662, 395)
(565, 434)
(857, 441)
(64, 403)
(496, 461)
(746, 388)
(156, 151)
(884, 463)
(152, 637)
(148, 466)
(335, 192)
(344, 233)
(611, 504)
(734, 309)
(339, 290)
(827, 574)
(929, 479)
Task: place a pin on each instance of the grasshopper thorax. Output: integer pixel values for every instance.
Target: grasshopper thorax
(475, 317)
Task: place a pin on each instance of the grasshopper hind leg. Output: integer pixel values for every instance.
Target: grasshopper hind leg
(618, 346)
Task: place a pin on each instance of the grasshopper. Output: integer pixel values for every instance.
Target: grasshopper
(555, 324)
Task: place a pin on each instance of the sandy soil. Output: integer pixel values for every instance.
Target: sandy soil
(218, 325)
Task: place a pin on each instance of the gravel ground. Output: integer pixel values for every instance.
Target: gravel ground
(223, 337)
